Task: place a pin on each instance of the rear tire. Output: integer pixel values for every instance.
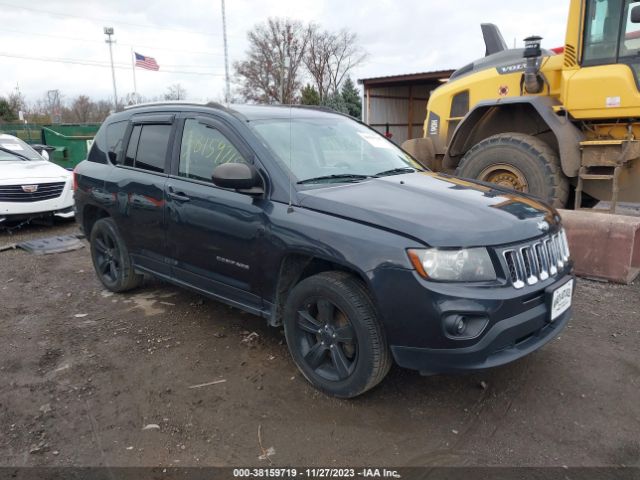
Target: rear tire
(111, 258)
(334, 334)
(518, 161)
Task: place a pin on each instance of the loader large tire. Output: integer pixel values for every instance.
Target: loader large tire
(518, 161)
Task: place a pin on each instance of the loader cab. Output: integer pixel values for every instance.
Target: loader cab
(602, 80)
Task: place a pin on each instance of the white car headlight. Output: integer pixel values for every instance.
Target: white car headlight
(461, 265)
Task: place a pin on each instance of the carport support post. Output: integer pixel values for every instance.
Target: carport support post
(410, 114)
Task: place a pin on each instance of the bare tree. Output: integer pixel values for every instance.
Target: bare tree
(271, 73)
(53, 100)
(175, 92)
(16, 100)
(81, 108)
(101, 110)
(330, 57)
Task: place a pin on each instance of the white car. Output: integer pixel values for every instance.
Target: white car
(31, 186)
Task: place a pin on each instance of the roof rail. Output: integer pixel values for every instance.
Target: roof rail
(175, 102)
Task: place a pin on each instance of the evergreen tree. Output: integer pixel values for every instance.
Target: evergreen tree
(309, 95)
(351, 98)
(335, 101)
(7, 114)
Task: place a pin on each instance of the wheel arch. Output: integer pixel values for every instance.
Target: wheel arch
(529, 115)
(295, 267)
(90, 215)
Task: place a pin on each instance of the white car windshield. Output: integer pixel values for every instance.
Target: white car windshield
(12, 149)
(328, 150)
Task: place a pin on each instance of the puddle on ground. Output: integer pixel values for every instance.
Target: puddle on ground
(151, 303)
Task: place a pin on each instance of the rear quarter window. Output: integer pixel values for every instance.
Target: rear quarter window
(108, 142)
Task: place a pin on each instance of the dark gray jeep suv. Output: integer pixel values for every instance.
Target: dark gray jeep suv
(314, 221)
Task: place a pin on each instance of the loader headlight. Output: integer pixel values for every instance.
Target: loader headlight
(460, 265)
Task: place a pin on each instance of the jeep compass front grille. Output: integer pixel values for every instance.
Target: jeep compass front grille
(31, 192)
(538, 260)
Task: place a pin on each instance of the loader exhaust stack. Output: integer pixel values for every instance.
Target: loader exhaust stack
(532, 52)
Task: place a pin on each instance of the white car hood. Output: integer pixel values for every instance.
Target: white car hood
(24, 171)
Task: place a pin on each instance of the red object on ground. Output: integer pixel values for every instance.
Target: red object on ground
(603, 245)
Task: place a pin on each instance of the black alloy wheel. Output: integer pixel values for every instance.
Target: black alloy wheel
(111, 259)
(334, 334)
(326, 339)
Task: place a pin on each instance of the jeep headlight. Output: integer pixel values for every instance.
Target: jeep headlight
(460, 265)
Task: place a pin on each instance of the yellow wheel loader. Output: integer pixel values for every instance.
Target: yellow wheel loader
(544, 122)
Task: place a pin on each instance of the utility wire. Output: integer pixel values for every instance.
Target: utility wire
(115, 22)
(88, 40)
(94, 63)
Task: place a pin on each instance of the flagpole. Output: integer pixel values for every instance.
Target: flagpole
(133, 69)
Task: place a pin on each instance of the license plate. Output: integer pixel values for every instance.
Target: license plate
(561, 299)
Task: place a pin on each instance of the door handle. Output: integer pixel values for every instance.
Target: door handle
(178, 196)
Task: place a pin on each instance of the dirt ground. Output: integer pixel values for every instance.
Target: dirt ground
(83, 371)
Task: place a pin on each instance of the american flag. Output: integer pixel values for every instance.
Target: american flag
(146, 62)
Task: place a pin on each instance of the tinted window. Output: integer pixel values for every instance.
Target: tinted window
(203, 148)
(97, 152)
(152, 147)
(147, 147)
(115, 136)
(133, 146)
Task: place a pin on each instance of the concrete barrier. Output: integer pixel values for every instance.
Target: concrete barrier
(603, 245)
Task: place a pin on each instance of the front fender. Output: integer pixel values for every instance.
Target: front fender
(472, 129)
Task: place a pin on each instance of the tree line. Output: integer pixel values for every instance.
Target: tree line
(54, 107)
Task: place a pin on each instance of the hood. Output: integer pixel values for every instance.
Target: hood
(24, 171)
(436, 209)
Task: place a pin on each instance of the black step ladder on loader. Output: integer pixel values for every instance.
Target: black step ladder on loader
(604, 160)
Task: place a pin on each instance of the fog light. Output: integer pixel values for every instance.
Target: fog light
(464, 326)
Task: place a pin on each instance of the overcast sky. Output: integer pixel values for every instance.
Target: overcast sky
(186, 36)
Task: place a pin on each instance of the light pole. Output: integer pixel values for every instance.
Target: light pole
(108, 31)
(227, 93)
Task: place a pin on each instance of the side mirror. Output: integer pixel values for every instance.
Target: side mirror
(238, 176)
(635, 14)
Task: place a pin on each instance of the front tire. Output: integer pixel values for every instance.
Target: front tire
(111, 258)
(520, 162)
(334, 334)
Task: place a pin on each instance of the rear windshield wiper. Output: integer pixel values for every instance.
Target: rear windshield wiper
(352, 177)
(12, 152)
(397, 171)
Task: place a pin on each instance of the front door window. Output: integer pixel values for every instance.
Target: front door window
(203, 148)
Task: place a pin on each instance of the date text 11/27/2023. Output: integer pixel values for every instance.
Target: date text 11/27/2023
(313, 473)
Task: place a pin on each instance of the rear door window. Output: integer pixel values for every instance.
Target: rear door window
(147, 147)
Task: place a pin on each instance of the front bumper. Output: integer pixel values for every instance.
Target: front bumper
(414, 314)
(61, 206)
(506, 341)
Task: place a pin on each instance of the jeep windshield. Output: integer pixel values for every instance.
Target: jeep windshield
(332, 150)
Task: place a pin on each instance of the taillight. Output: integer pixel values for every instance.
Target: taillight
(75, 180)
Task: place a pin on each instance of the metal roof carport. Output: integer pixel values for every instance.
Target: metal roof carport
(397, 104)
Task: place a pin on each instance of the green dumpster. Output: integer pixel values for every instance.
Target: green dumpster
(71, 142)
